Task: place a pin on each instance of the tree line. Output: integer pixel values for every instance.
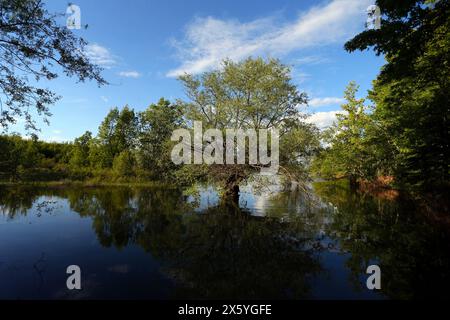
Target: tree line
(129, 145)
(136, 146)
(398, 135)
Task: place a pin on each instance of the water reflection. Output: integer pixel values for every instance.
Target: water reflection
(282, 246)
(412, 251)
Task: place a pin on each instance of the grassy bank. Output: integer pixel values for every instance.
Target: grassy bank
(68, 183)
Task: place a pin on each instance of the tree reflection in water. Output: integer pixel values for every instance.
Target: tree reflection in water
(225, 251)
(412, 251)
(220, 252)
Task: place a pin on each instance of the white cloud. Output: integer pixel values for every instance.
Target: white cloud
(299, 77)
(311, 60)
(323, 119)
(130, 74)
(57, 131)
(209, 40)
(104, 99)
(100, 55)
(327, 101)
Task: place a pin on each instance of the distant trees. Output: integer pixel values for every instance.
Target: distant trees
(30, 159)
(129, 146)
(33, 46)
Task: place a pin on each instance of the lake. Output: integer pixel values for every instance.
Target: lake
(159, 243)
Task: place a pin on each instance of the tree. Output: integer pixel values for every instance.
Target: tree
(124, 164)
(347, 138)
(252, 94)
(31, 154)
(10, 156)
(81, 150)
(412, 91)
(156, 126)
(117, 133)
(357, 148)
(126, 130)
(33, 45)
(106, 145)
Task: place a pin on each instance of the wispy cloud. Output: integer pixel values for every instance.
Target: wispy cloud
(311, 60)
(100, 55)
(298, 76)
(104, 99)
(210, 40)
(327, 101)
(130, 74)
(57, 131)
(323, 120)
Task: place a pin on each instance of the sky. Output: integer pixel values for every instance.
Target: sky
(143, 45)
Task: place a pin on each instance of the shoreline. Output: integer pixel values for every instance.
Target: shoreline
(86, 184)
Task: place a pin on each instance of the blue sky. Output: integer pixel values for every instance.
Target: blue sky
(143, 45)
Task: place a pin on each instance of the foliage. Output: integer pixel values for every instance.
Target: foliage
(252, 94)
(156, 126)
(129, 146)
(30, 159)
(81, 150)
(123, 165)
(34, 46)
(354, 143)
(412, 91)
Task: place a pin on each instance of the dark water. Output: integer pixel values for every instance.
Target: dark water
(155, 243)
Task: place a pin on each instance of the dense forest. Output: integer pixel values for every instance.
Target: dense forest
(112, 155)
(397, 136)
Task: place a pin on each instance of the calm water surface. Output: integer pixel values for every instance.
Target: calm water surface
(150, 243)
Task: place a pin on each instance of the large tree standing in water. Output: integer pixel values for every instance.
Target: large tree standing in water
(34, 46)
(252, 94)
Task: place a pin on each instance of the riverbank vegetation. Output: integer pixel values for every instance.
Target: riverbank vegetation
(404, 135)
(396, 137)
(125, 150)
(136, 146)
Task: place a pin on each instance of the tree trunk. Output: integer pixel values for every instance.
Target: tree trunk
(231, 192)
(354, 184)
